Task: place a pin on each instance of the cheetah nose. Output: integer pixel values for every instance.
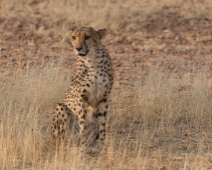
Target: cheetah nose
(78, 49)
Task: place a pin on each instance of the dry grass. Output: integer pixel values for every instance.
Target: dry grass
(166, 123)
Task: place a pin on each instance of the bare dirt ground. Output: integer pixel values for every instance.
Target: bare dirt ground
(164, 38)
(173, 38)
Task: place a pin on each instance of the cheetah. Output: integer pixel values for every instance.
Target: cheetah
(91, 84)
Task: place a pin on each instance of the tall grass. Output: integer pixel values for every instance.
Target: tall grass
(166, 123)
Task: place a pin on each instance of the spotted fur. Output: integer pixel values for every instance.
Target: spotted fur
(88, 93)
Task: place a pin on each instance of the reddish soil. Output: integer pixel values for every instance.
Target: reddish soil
(168, 41)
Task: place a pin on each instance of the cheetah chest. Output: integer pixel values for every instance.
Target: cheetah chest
(98, 89)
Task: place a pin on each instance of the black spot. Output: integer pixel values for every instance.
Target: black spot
(88, 85)
(81, 122)
(102, 131)
(105, 113)
(61, 109)
(99, 114)
(97, 136)
(103, 101)
(63, 115)
(103, 124)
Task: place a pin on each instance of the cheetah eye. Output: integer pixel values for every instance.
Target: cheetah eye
(73, 37)
(87, 37)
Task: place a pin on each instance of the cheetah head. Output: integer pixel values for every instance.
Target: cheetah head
(85, 39)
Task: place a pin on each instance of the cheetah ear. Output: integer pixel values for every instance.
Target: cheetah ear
(101, 33)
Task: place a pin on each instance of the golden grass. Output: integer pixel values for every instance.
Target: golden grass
(166, 124)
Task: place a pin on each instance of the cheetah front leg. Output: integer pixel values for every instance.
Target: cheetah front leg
(81, 113)
(61, 122)
(101, 118)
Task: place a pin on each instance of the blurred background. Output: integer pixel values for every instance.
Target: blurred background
(144, 33)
